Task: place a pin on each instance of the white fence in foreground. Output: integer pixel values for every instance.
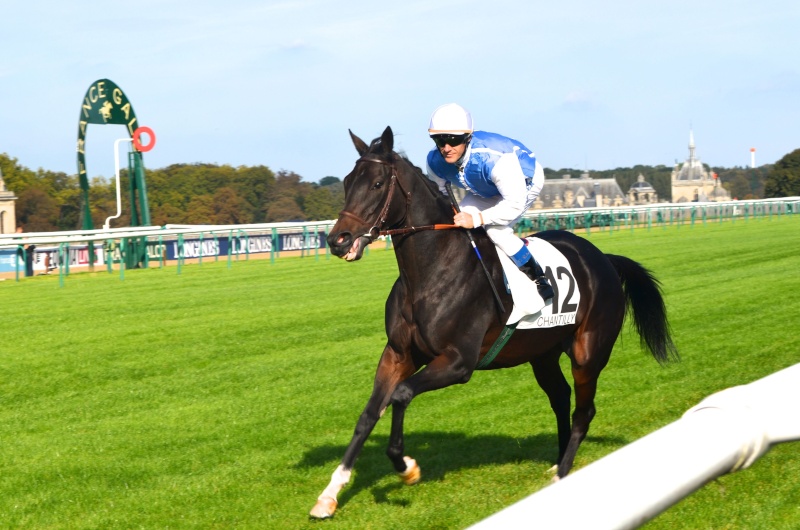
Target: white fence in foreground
(726, 432)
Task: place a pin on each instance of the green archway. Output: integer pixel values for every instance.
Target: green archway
(105, 104)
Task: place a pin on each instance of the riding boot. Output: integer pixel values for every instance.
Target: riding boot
(535, 273)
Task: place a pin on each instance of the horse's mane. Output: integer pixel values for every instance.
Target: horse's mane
(429, 184)
(375, 147)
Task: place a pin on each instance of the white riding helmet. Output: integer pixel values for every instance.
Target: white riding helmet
(451, 118)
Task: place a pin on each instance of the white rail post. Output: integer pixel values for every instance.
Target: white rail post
(116, 172)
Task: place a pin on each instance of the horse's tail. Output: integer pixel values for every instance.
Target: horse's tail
(646, 305)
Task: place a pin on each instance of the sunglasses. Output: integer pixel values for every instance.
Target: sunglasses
(452, 140)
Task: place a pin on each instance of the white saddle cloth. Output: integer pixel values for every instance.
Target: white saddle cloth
(530, 310)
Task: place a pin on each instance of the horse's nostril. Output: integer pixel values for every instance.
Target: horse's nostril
(341, 239)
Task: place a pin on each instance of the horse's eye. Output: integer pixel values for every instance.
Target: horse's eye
(378, 185)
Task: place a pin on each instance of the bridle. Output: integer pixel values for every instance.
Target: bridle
(381, 220)
(375, 229)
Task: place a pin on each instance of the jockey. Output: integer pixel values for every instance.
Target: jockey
(502, 176)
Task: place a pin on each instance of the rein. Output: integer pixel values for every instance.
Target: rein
(381, 219)
(412, 229)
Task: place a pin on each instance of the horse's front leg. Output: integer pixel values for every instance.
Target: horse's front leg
(392, 368)
(442, 372)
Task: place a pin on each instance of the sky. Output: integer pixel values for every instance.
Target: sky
(586, 85)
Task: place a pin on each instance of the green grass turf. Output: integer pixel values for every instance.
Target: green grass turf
(224, 397)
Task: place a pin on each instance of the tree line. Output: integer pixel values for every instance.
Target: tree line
(222, 194)
(177, 194)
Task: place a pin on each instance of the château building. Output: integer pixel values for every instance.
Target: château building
(583, 192)
(642, 192)
(691, 182)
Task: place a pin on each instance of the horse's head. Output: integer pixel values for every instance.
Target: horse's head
(371, 202)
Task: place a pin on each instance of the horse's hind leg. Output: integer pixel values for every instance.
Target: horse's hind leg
(585, 388)
(588, 359)
(550, 377)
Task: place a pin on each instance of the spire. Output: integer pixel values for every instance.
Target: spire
(691, 147)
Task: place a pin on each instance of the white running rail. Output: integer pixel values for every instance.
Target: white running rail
(725, 432)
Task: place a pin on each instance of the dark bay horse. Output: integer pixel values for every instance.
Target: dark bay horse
(441, 317)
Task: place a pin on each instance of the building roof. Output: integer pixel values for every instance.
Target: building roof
(574, 192)
(642, 186)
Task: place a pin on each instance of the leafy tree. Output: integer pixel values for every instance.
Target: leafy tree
(164, 214)
(324, 202)
(254, 184)
(16, 177)
(37, 211)
(784, 178)
(327, 181)
(69, 201)
(284, 209)
(230, 208)
(289, 187)
(171, 190)
(200, 210)
(103, 202)
(290, 184)
(31, 188)
(743, 183)
(737, 185)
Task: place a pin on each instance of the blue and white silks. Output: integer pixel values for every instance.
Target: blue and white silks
(502, 178)
(483, 153)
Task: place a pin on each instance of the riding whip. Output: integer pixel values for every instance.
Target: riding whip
(477, 252)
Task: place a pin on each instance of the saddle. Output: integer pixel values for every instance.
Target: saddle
(530, 310)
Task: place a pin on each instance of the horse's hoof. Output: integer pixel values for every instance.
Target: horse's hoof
(412, 474)
(324, 508)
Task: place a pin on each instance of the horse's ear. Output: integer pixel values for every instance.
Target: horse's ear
(387, 140)
(361, 147)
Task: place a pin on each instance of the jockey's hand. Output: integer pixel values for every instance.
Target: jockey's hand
(464, 220)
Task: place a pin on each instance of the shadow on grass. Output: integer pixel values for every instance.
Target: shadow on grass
(438, 453)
